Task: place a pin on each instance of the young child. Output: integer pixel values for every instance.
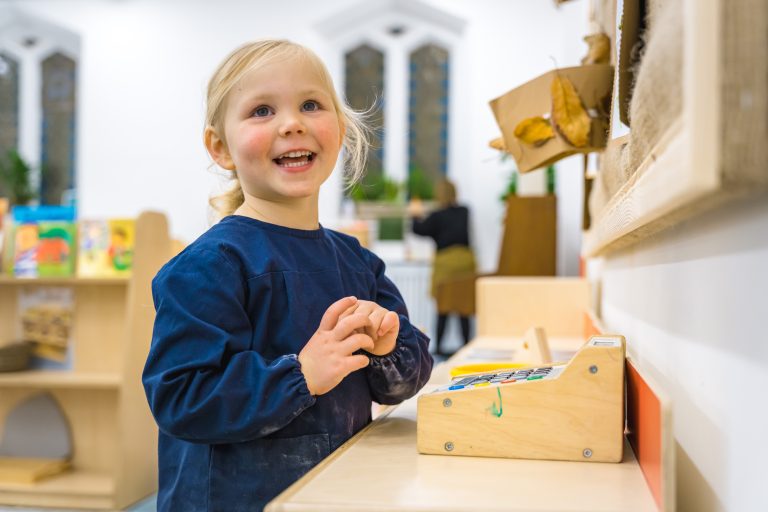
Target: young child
(273, 335)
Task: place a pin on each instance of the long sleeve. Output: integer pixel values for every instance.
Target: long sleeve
(402, 373)
(203, 380)
(425, 226)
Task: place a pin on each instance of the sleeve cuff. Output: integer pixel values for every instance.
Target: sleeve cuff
(307, 398)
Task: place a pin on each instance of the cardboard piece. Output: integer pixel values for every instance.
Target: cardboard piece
(593, 83)
(630, 42)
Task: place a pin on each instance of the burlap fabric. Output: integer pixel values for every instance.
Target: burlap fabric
(657, 99)
(745, 95)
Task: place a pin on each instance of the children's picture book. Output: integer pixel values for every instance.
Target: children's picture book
(43, 241)
(122, 233)
(55, 249)
(93, 244)
(25, 241)
(105, 247)
(46, 315)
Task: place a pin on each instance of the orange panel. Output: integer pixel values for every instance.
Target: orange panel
(590, 329)
(644, 430)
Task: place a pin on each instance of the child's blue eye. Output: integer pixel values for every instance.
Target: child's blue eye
(262, 111)
(310, 106)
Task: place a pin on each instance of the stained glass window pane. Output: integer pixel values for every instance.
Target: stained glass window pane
(428, 112)
(364, 87)
(9, 107)
(58, 131)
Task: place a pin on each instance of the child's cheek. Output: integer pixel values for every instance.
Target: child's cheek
(257, 144)
(329, 133)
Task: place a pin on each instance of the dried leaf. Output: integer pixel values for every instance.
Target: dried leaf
(568, 113)
(534, 130)
(498, 143)
(599, 49)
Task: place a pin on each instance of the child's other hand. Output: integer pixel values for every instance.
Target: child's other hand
(384, 327)
(329, 355)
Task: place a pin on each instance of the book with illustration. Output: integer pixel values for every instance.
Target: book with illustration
(105, 247)
(46, 320)
(42, 241)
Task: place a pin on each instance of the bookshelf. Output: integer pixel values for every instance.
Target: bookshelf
(114, 437)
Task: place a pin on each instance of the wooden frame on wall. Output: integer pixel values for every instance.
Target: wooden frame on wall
(685, 173)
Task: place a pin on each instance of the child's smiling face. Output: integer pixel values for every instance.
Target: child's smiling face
(283, 134)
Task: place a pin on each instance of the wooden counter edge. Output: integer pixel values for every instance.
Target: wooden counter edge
(277, 504)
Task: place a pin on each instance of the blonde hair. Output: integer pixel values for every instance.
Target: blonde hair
(258, 53)
(445, 193)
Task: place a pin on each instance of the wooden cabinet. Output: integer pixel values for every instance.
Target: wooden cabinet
(114, 437)
(529, 246)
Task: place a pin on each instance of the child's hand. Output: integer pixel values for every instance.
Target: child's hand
(329, 356)
(384, 326)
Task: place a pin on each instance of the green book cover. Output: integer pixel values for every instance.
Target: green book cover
(56, 249)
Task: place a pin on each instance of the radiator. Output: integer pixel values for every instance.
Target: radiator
(413, 280)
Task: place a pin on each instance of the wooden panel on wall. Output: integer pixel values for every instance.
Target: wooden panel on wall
(530, 237)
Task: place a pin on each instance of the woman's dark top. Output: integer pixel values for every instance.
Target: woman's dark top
(237, 422)
(449, 226)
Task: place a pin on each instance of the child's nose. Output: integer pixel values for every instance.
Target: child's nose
(291, 125)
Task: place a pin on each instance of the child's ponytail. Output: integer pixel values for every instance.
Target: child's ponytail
(226, 203)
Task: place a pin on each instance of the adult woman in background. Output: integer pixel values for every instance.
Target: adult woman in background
(448, 226)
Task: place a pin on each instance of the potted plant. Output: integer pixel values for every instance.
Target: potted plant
(376, 196)
(15, 177)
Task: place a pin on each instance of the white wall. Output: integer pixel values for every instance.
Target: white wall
(144, 66)
(692, 304)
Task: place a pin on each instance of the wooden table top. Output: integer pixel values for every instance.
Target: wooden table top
(380, 469)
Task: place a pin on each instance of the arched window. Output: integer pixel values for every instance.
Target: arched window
(364, 89)
(9, 106)
(57, 155)
(428, 112)
(38, 108)
(414, 45)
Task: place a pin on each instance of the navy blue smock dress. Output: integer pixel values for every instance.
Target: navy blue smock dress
(237, 423)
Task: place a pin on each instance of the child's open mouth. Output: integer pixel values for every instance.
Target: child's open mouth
(295, 159)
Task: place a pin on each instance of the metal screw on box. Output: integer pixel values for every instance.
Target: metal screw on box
(447, 402)
(587, 453)
(593, 369)
(449, 446)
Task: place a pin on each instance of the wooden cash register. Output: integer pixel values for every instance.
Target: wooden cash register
(568, 411)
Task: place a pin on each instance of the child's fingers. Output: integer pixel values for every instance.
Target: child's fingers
(356, 342)
(350, 324)
(354, 307)
(356, 362)
(334, 311)
(376, 317)
(389, 322)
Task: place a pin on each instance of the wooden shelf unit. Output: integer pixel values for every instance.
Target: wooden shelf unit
(114, 436)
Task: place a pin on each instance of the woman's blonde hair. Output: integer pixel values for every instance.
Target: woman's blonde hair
(445, 193)
(258, 53)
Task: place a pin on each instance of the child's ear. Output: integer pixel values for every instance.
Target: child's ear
(217, 148)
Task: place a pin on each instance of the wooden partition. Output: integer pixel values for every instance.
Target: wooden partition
(509, 306)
